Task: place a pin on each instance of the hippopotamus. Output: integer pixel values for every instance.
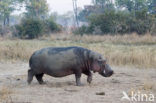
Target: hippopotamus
(64, 61)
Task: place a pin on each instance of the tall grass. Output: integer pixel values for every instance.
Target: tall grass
(119, 39)
(133, 50)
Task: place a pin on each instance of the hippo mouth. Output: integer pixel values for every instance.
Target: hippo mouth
(106, 74)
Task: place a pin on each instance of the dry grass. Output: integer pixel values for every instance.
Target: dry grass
(131, 50)
(148, 86)
(5, 95)
(120, 39)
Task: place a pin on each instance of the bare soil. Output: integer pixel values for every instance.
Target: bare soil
(63, 90)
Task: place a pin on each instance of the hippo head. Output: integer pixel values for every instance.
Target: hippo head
(100, 65)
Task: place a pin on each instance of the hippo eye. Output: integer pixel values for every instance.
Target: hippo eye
(99, 59)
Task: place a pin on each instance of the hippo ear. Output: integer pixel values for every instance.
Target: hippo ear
(96, 67)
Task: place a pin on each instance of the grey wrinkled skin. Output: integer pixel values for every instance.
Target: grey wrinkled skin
(63, 61)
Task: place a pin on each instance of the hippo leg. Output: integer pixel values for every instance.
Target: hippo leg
(78, 79)
(30, 76)
(39, 78)
(89, 78)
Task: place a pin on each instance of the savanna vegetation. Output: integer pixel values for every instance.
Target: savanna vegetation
(119, 17)
(130, 26)
(123, 31)
(35, 21)
(130, 50)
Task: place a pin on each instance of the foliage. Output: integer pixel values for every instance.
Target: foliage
(51, 25)
(38, 22)
(36, 9)
(152, 6)
(153, 30)
(30, 28)
(129, 16)
(34, 28)
(99, 7)
(1, 32)
(135, 5)
(104, 21)
(6, 8)
(81, 30)
(119, 22)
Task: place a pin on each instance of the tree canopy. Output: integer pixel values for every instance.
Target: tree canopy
(6, 8)
(123, 16)
(36, 8)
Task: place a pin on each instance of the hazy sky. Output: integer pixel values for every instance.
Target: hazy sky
(62, 6)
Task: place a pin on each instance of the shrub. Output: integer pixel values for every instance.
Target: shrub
(153, 30)
(33, 28)
(52, 26)
(1, 30)
(30, 28)
(119, 22)
(81, 30)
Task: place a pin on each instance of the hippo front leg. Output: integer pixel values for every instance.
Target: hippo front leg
(89, 78)
(78, 79)
(89, 74)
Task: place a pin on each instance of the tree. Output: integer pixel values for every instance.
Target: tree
(132, 5)
(66, 20)
(6, 8)
(36, 9)
(30, 28)
(100, 2)
(125, 4)
(103, 4)
(152, 6)
(99, 7)
(75, 12)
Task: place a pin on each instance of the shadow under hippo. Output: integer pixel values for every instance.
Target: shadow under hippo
(63, 61)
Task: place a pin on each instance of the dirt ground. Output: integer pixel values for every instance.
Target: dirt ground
(63, 90)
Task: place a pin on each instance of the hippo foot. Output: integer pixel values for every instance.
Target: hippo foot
(89, 79)
(42, 83)
(79, 84)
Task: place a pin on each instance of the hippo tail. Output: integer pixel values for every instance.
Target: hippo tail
(30, 62)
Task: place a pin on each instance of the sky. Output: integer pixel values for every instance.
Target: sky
(62, 6)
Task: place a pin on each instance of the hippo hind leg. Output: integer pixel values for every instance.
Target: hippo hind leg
(39, 78)
(30, 76)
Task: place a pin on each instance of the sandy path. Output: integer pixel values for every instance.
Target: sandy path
(63, 90)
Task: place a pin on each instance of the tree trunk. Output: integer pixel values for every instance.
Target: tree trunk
(8, 20)
(75, 12)
(4, 21)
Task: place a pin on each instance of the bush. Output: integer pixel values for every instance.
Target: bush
(153, 30)
(52, 26)
(30, 28)
(1, 33)
(81, 30)
(33, 28)
(119, 22)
